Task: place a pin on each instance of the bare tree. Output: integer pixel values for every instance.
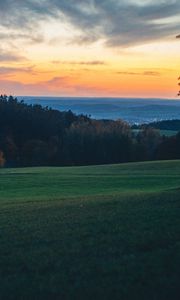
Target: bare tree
(178, 37)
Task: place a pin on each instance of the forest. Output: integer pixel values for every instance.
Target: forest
(32, 135)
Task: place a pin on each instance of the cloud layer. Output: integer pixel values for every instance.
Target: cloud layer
(56, 86)
(10, 56)
(116, 22)
(81, 63)
(145, 73)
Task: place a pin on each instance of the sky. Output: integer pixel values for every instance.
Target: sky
(105, 48)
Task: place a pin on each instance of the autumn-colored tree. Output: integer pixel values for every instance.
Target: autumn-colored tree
(2, 159)
(149, 138)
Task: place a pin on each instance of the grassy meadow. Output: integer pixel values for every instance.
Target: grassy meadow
(97, 232)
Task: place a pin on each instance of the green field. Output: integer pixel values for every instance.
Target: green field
(99, 232)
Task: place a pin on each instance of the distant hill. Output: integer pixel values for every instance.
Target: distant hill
(131, 110)
(163, 125)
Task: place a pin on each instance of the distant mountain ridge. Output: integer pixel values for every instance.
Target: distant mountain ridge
(132, 110)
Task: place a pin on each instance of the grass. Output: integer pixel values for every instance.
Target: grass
(97, 232)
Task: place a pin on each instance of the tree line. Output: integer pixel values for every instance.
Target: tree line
(162, 125)
(32, 135)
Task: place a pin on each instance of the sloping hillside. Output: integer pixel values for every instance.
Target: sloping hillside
(97, 232)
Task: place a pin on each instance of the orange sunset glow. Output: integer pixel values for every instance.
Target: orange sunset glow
(90, 48)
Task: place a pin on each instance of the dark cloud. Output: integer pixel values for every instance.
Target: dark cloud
(145, 73)
(14, 70)
(8, 56)
(151, 73)
(86, 63)
(19, 36)
(128, 73)
(117, 22)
